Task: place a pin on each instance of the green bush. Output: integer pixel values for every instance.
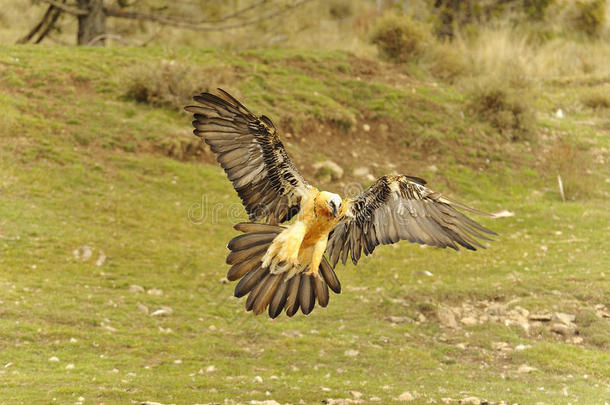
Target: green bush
(597, 98)
(570, 161)
(590, 16)
(400, 38)
(445, 61)
(504, 108)
(171, 84)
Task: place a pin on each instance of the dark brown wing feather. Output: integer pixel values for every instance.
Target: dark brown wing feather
(398, 208)
(250, 151)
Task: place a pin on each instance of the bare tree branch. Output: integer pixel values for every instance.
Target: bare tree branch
(67, 8)
(197, 26)
(37, 27)
(56, 13)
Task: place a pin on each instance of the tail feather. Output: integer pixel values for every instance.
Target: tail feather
(279, 299)
(267, 293)
(238, 256)
(256, 290)
(248, 240)
(329, 276)
(278, 292)
(249, 227)
(306, 294)
(249, 281)
(320, 288)
(239, 270)
(292, 302)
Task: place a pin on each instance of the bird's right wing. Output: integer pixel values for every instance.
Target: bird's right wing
(250, 151)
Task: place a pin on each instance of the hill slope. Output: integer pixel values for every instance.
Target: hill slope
(113, 228)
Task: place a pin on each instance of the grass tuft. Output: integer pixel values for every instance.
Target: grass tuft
(504, 108)
(400, 38)
(171, 83)
(596, 98)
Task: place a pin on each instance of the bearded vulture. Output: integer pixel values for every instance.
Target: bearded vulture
(290, 266)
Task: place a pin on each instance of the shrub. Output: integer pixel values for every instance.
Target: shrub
(573, 164)
(400, 38)
(446, 61)
(590, 16)
(504, 108)
(340, 9)
(597, 99)
(171, 84)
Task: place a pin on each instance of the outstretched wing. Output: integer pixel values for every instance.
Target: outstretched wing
(402, 208)
(250, 151)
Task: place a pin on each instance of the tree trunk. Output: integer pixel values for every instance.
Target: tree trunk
(92, 25)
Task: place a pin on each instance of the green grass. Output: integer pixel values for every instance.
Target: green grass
(78, 166)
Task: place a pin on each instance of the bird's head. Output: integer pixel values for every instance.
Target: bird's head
(330, 202)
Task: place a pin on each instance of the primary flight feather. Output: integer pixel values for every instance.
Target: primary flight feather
(290, 267)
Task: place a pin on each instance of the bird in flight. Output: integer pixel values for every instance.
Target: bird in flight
(286, 265)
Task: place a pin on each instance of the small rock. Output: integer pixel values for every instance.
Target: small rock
(356, 394)
(53, 359)
(83, 253)
(562, 329)
(520, 348)
(258, 379)
(142, 308)
(399, 319)
(69, 366)
(361, 172)
(374, 399)
(542, 317)
(73, 340)
(366, 127)
(351, 352)
(433, 168)
(446, 317)
(328, 167)
(265, 402)
(577, 340)
(503, 214)
(559, 113)
(470, 401)
(134, 288)
(469, 321)
(108, 327)
(210, 369)
(163, 311)
(602, 314)
(566, 319)
(525, 369)
(177, 361)
(155, 291)
(101, 259)
(406, 396)
(500, 346)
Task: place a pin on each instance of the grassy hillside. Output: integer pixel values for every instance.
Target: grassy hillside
(113, 226)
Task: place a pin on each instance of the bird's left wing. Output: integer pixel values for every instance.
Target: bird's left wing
(250, 151)
(398, 207)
